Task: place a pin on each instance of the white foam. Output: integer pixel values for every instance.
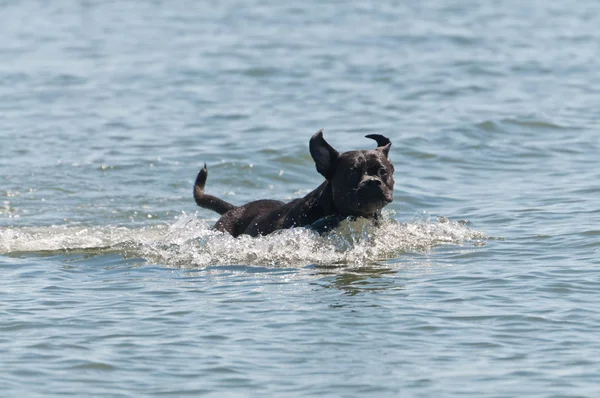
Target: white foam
(190, 242)
(64, 238)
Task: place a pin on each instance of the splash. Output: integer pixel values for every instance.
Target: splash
(190, 242)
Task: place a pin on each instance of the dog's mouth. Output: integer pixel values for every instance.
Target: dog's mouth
(368, 200)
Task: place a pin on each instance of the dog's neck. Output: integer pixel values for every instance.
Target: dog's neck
(316, 204)
(324, 198)
(319, 211)
(319, 204)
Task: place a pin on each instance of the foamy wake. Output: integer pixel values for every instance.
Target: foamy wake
(190, 242)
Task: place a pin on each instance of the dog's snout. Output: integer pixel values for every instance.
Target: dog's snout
(373, 182)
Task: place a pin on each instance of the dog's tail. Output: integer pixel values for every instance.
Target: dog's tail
(208, 201)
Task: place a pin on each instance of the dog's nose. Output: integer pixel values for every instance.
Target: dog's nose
(373, 182)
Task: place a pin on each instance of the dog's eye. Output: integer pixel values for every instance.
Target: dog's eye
(382, 172)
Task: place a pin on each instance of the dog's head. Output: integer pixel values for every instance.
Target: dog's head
(362, 182)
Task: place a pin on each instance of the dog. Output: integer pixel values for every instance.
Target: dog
(357, 184)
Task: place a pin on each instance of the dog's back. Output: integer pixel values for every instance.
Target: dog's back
(234, 219)
(239, 220)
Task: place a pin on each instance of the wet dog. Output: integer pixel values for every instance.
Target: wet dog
(357, 184)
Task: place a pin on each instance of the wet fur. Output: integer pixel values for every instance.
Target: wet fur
(357, 183)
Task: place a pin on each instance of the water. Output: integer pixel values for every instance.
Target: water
(481, 281)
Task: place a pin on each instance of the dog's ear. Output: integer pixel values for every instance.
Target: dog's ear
(324, 155)
(383, 143)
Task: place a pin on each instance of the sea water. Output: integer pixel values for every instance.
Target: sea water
(480, 281)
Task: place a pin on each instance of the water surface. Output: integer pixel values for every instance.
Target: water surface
(481, 281)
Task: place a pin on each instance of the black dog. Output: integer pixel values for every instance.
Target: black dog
(357, 184)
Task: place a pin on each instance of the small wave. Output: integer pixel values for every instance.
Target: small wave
(190, 242)
(529, 123)
(535, 124)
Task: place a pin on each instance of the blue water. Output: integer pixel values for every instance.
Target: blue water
(481, 281)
